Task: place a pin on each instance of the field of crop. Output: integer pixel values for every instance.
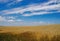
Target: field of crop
(30, 33)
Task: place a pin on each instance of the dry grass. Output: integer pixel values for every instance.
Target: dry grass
(49, 29)
(30, 33)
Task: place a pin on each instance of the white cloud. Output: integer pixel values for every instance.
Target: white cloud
(4, 1)
(14, 21)
(19, 0)
(11, 17)
(2, 19)
(10, 21)
(27, 14)
(44, 8)
(35, 13)
(14, 2)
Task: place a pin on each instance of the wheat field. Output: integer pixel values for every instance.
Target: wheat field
(30, 33)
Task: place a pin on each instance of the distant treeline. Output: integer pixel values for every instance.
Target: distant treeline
(27, 36)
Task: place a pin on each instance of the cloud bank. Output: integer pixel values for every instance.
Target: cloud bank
(36, 9)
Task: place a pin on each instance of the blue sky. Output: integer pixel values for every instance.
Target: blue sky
(29, 12)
